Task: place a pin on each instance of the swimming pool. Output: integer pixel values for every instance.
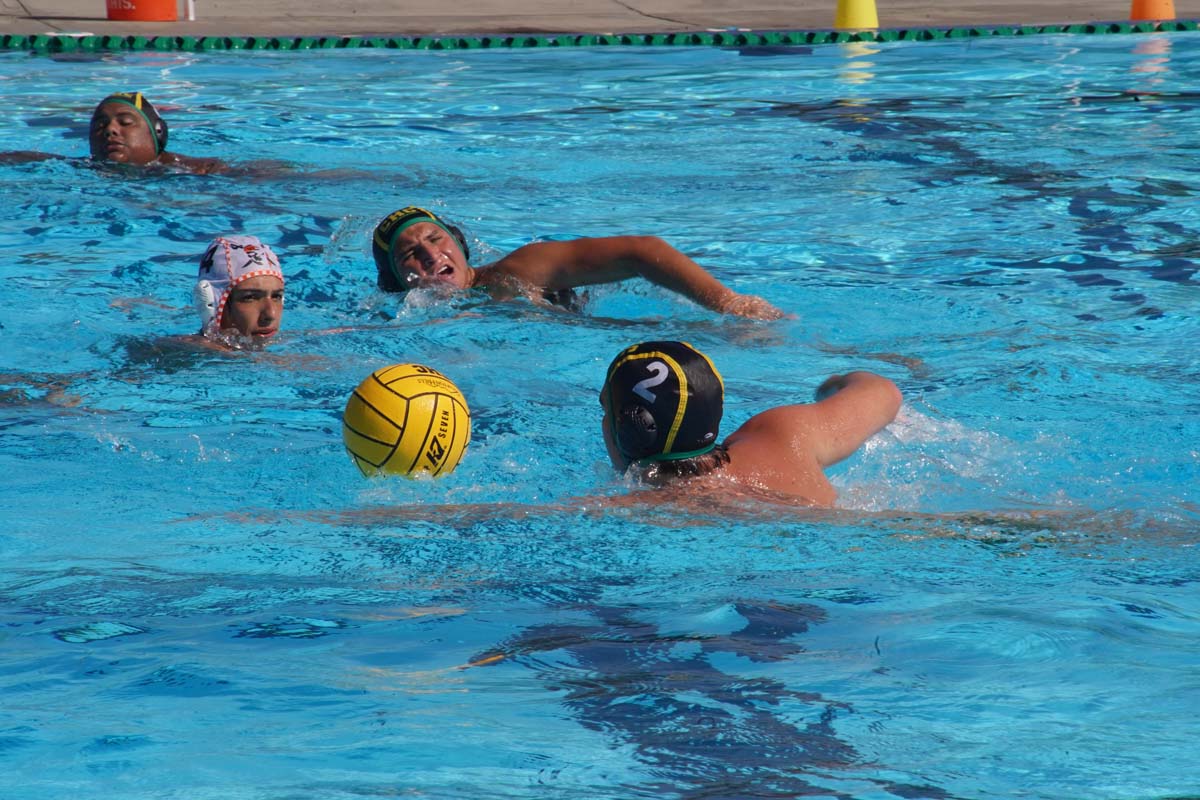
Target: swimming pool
(201, 597)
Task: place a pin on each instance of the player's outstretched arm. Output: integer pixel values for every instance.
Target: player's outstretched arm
(586, 262)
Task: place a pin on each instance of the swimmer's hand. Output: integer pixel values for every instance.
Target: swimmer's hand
(750, 306)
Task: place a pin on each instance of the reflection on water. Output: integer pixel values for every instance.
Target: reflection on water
(1155, 58)
(859, 67)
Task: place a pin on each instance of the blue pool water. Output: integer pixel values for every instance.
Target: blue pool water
(201, 597)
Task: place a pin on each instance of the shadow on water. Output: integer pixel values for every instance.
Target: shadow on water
(707, 733)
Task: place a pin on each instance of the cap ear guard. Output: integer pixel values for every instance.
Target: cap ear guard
(158, 125)
(461, 239)
(636, 432)
(204, 297)
(160, 134)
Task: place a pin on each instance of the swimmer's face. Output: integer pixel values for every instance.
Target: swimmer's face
(119, 133)
(255, 307)
(426, 255)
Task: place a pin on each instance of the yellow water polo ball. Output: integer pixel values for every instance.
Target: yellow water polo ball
(408, 420)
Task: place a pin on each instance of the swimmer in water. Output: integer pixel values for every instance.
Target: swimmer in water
(239, 291)
(126, 128)
(414, 248)
(663, 403)
(239, 296)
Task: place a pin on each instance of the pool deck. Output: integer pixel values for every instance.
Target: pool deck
(433, 17)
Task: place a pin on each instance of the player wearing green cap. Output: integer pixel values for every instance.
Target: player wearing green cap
(413, 248)
(126, 128)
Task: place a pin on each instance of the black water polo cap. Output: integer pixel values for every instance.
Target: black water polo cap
(665, 399)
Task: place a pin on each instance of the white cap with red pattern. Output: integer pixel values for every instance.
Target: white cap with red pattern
(228, 261)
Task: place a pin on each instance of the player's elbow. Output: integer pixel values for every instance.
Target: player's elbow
(884, 395)
(887, 398)
(885, 392)
(892, 398)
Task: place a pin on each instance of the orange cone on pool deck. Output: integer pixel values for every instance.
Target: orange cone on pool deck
(1152, 9)
(143, 10)
(855, 14)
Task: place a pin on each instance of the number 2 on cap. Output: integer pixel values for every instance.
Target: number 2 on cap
(642, 388)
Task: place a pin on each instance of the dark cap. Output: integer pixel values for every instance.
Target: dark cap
(158, 126)
(391, 227)
(665, 401)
